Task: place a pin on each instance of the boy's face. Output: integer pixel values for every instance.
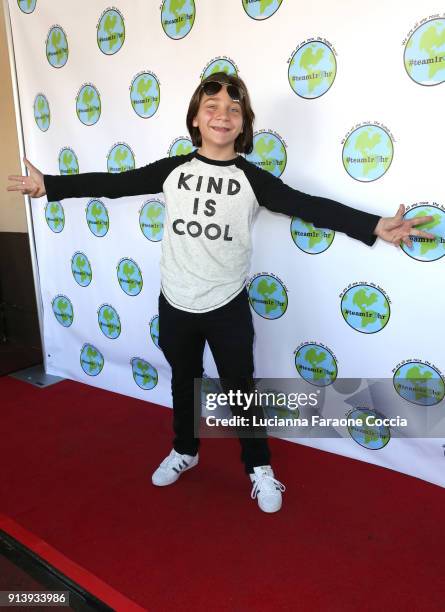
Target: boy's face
(219, 119)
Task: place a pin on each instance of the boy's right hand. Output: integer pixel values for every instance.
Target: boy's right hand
(32, 184)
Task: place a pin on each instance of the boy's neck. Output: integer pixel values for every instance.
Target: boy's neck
(217, 154)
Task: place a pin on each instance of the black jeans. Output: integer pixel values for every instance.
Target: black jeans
(229, 333)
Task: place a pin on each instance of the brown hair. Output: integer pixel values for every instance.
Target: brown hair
(244, 142)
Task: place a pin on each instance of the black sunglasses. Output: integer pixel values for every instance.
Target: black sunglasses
(213, 87)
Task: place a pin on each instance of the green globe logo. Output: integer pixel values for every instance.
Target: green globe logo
(81, 269)
(27, 6)
(316, 364)
(145, 95)
(419, 383)
(261, 9)
(109, 321)
(151, 220)
(88, 105)
(111, 32)
(68, 162)
(129, 277)
(63, 310)
(144, 374)
(57, 47)
(310, 239)
(312, 70)
(220, 64)
(427, 249)
(91, 360)
(97, 218)
(268, 152)
(181, 146)
(154, 330)
(367, 153)
(371, 434)
(177, 17)
(42, 113)
(55, 216)
(365, 308)
(424, 55)
(268, 296)
(120, 158)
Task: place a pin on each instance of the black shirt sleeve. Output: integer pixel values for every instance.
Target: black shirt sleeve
(275, 195)
(145, 180)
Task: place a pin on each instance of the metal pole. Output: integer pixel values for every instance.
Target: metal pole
(21, 141)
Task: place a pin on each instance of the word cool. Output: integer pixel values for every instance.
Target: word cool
(194, 229)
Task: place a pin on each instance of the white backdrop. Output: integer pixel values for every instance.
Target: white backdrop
(371, 86)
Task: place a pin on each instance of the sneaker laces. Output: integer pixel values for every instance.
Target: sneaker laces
(174, 459)
(266, 483)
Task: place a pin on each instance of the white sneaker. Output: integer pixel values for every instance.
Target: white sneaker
(172, 467)
(266, 488)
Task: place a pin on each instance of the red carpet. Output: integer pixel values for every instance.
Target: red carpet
(75, 479)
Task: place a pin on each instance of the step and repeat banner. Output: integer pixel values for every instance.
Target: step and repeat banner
(349, 103)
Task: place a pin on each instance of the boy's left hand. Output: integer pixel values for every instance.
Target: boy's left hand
(397, 229)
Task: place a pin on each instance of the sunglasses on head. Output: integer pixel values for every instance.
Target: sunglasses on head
(213, 87)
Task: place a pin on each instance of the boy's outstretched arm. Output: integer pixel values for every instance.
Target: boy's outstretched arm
(145, 180)
(277, 196)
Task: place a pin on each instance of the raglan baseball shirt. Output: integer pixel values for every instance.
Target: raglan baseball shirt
(209, 209)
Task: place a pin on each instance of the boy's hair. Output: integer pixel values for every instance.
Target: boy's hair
(244, 142)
